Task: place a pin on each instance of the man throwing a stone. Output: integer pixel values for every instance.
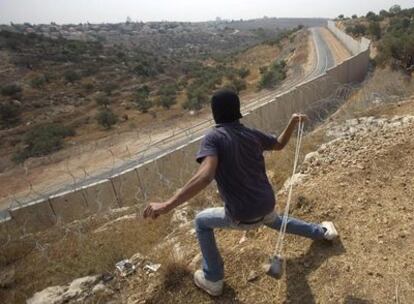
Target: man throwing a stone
(232, 154)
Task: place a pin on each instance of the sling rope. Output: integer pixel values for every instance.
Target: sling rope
(282, 231)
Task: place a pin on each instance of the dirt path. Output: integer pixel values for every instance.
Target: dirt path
(339, 51)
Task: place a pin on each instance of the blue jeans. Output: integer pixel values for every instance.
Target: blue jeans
(211, 218)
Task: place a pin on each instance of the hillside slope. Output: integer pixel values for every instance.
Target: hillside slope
(360, 178)
(93, 150)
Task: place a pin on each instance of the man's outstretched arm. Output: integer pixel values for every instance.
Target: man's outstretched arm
(198, 182)
(283, 138)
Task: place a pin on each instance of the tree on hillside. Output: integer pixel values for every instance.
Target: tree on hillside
(396, 46)
(354, 16)
(38, 81)
(42, 140)
(12, 90)
(273, 75)
(196, 98)
(238, 85)
(103, 100)
(110, 87)
(142, 99)
(374, 30)
(9, 115)
(395, 9)
(357, 30)
(71, 76)
(384, 13)
(371, 16)
(106, 118)
(168, 95)
(244, 72)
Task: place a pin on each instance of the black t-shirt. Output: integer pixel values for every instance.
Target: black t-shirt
(241, 175)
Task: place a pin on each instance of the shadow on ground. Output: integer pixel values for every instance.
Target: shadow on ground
(355, 300)
(178, 287)
(298, 269)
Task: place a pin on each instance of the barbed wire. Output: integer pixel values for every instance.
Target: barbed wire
(168, 175)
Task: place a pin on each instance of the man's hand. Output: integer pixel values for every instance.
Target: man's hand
(154, 210)
(283, 139)
(198, 182)
(297, 117)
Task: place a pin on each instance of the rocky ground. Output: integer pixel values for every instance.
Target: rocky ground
(361, 178)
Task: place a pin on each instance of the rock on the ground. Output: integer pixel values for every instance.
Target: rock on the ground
(108, 225)
(75, 292)
(181, 217)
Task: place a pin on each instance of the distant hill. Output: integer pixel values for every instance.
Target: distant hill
(89, 77)
(272, 23)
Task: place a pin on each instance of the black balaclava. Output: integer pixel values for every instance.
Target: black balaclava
(225, 105)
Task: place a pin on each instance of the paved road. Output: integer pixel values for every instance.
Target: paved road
(324, 60)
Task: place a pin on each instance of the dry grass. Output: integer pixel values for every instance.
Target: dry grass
(383, 86)
(301, 43)
(279, 164)
(365, 267)
(65, 253)
(253, 59)
(373, 213)
(368, 265)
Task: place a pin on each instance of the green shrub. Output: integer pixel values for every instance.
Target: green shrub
(145, 69)
(395, 9)
(38, 81)
(43, 140)
(372, 16)
(110, 87)
(90, 71)
(397, 42)
(168, 95)
(143, 105)
(384, 13)
(9, 115)
(142, 99)
(374, 30)
(273, 75)
(356, 30)
(282, 35)
(167, 101)
(88, 86)
(72, 76)
(238, 85)
(244, 72)
(193, 104)
(143, 91)
(12, 90)
(106, 118)
(197, 96)
(103, 100)
(263, 69)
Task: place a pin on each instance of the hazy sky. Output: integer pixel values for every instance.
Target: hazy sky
(94, 11)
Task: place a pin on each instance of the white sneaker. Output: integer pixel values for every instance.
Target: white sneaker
(212, 288)
(330, 233)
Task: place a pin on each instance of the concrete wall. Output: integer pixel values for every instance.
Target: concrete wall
(354, 46)
(155, 179)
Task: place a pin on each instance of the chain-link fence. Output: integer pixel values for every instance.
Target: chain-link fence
(161, 164)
